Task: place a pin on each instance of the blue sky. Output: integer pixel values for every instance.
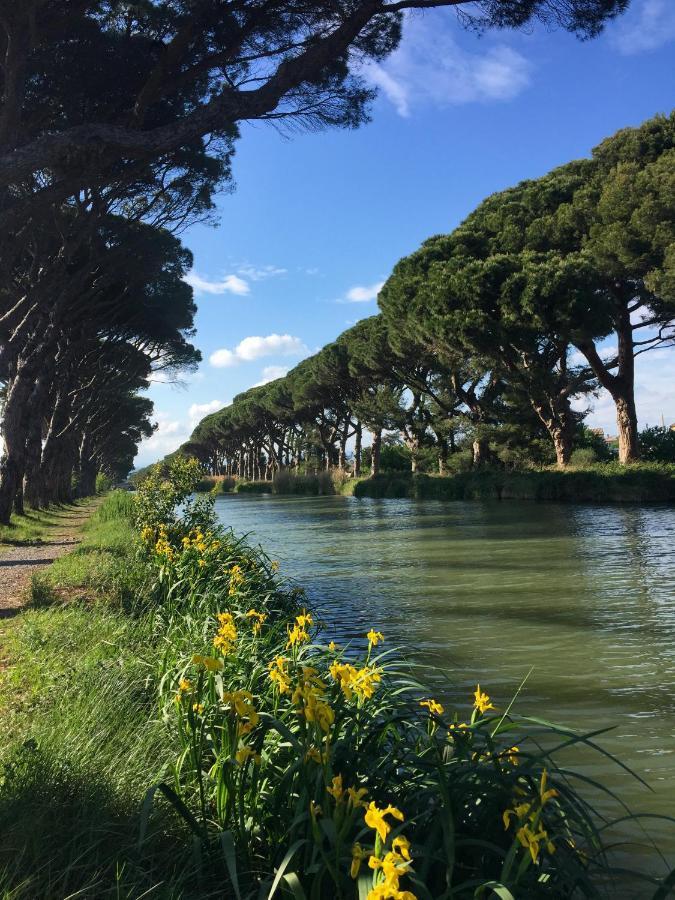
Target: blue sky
(317, 221)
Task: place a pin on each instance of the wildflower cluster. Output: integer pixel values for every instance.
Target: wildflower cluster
(526, 815)
(278, 674)
(257, 620)
(162, 546)
(226, 637)
(389, 860)
(298, 633)
(236, 579)
(308, 699)
(359, 683)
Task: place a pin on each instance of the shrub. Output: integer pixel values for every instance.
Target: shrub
(320, 484)
(658, 444)
(103, 483)
(253, 487)
(584, 456)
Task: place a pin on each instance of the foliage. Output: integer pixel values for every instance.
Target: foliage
(586, 482)
(103, 483)
(658, 444)
(321, 484)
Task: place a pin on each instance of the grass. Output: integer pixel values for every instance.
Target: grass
(82, 741)
(38, 525)
(100, 562)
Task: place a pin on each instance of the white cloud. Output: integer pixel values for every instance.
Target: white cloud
(258, 273)
(648, 25)
(198, 410)
(271, 373)
(169, 435)
(431, 67)
(362, 293)
(255, 347)
(229, 284)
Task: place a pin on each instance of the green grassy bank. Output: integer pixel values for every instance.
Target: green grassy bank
(179, 727)
(598, 483)
(608, 483)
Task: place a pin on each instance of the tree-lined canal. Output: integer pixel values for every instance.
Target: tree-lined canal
(483, 591)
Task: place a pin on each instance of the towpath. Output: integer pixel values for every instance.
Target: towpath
(18, 563)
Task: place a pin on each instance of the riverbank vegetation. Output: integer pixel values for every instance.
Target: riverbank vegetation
(189, 728)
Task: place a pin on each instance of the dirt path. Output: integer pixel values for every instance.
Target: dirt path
(19, 563)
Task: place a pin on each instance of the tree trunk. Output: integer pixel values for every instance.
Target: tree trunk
(357, 449)
(18, 501)
(32, 491)
(342, 452)
(556, 417)
(442, 457)
(626, 422)
(88, 468)
(621, 386)
(15, 423)
(480, 452)
(375, 453)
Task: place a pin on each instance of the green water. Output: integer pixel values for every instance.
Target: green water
(483, 591)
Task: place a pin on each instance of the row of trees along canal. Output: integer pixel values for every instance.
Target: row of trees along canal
(495, 328)
(117, 125)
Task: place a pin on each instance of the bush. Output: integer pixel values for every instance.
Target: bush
(395, 458)
(253, 487)
(584, 456)
(103, 483)
(321, 484)
(658, 444)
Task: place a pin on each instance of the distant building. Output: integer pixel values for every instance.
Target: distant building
(599, 431)
(672, 427)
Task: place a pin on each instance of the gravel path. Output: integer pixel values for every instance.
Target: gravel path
(18, 564)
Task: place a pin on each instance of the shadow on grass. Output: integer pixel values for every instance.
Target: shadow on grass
(65, 834)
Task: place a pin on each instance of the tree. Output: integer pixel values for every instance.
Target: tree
(145, 307)
(158, 76)
(605, 225)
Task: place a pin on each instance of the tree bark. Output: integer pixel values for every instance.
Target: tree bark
(342, 452)
(357, 449)
(32, 491)
(442, 457)
(556, 417)
(375, 453)
(621, 386)
(15, 425)
(480, 452)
